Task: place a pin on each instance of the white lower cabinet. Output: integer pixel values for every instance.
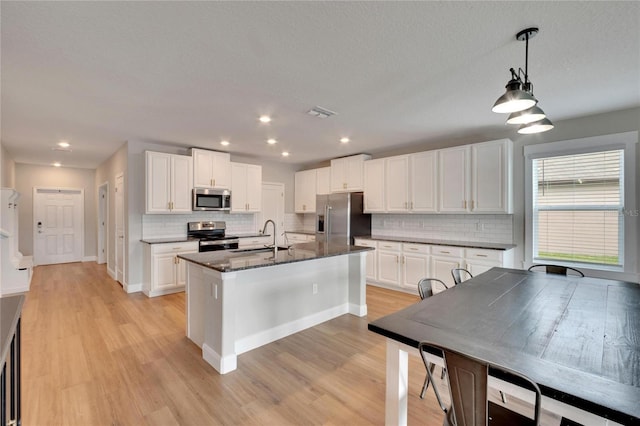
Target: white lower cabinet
(478, 261)
(389, 262)
(254, 242)
(164, 272)
(401, 265)
(443, 260)
(415, 265)
(372, 261)
(294, 238)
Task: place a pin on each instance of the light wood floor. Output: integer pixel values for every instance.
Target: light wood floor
(94, 355)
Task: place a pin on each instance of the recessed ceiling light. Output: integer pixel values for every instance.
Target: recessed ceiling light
(344, 140)
(265, 119)
(272, 141)
(63, 144)
(285, 153)
(56, 164)
(224, 143)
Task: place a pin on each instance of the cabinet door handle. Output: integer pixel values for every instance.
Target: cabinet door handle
(481, 255)
(397, 259)
(412, 205)
(213, 182)
(464, 204)
(413, 248)
(403, 259)
(177, 248)
(445, 252)
(472, 204)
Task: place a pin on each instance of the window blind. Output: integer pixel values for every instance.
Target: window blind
(577, 205)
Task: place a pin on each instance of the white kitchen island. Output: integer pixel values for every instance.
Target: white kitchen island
(238, 301)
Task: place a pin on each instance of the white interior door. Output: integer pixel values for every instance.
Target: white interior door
(273, 208)
(58, 225)
(120, 240)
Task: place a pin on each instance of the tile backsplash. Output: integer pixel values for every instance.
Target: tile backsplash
(166, 225)
(486, 228)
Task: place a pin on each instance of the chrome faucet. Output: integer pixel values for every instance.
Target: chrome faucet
(275, 233)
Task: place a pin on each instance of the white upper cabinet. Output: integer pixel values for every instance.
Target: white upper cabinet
(423, 182)
(453, 165)
(374, 186)
(397, 184)
(347, 173)
(305, 191)
(168, 183)
(246, 188)
(491, 176)
(476, 178)
(211, 169)
(323, 181)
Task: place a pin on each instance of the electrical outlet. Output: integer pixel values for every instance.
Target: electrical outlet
(314, 288)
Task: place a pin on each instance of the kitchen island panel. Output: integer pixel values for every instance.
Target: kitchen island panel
(229, 313)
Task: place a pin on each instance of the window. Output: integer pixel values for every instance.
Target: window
(580, 204)
(577, 208)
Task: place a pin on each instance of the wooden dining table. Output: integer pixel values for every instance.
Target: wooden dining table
(577, 338)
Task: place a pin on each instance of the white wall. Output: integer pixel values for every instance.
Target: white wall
(107, 172)
(28, 176)
(595, 125)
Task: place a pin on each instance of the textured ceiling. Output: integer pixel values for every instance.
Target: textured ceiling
(193, 73)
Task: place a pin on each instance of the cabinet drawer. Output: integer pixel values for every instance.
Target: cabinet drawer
(482, 254)
(365, 243)
(447, 251)
(389, 246)
(416, 248)
(183, 247)
(299, 238)
(254, 242)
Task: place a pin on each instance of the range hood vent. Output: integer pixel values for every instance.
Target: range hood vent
(320, 112)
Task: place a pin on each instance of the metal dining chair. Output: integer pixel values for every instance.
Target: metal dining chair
(460, 274)
(424, 290)
(556, 269)
(468, 379)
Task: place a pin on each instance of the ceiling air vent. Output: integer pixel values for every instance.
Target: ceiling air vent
(320, 112)
(59, 148)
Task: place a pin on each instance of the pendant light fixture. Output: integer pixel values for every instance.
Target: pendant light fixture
(518, 100)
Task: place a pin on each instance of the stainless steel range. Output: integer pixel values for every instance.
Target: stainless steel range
(212, 236)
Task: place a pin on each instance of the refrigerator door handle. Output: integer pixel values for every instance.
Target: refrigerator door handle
(327, 219)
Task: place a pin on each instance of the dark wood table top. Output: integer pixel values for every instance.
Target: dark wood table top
(578, 338)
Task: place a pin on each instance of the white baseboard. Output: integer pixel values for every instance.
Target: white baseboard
(357, 310)
(267, 336)
(154, 293)
(132, 288)
(89, 259)
(111, 273)
(223, 365)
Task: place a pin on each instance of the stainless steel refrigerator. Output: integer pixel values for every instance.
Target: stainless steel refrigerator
(340, 217)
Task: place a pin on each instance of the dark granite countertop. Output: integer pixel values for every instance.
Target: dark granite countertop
(252, 235)
(10, 310)
(184, 239)
(467, 244)
(238, 260)
(168, 240)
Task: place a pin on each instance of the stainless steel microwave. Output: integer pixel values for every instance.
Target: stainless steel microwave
(211, 199)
